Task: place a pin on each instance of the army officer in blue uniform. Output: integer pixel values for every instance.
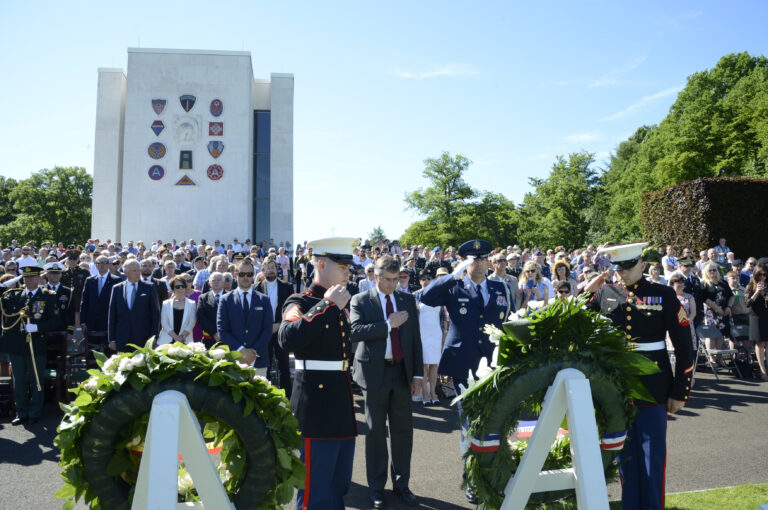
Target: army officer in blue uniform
(646, 312)
(472, 301)
(316, 329)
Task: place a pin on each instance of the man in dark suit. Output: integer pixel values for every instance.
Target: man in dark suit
(277, 291)
(94, 309)
(147, 270)
(388, 367)
(208, 308)
(134, 313)
(244, 320)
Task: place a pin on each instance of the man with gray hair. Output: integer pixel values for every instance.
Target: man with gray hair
(208, 307)
(134, 312)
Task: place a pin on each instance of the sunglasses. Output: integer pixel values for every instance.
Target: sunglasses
(564, 292)
(759, 274)
(530, 271)
(179, 286)
(247, 274)
(425, 278)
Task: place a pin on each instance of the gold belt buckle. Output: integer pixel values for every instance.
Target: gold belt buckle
(344, 365)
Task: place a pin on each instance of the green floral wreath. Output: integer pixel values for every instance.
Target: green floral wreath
(531, 353)
(247, 421)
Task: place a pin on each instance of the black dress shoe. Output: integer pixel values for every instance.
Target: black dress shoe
(377, 499)
(406, 496)
(471, 496)
(18, 421)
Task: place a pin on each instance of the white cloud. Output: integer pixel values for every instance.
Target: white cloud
(642, 102)
(612, 76)
(449, 70)
(582, 137)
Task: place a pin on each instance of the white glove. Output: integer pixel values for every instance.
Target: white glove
(459, 269)
(30, 328)
(11, 282)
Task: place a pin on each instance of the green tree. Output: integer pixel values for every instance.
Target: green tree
(555, 212)
(377, 235)
(52, 205)
(7, 210)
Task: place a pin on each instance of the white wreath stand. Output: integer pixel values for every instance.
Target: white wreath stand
(173, 428)
(569, 395)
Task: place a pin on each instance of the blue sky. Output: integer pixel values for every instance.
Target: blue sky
(381, 86)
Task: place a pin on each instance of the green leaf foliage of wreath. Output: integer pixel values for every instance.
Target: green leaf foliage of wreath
(531, 351)
(145, 366)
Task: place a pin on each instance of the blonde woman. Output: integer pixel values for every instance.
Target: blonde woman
(532, 285)
(718, 300)
(178, 314)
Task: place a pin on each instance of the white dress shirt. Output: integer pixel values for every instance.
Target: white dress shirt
(483, 288)
(272, 294)
(383, 299)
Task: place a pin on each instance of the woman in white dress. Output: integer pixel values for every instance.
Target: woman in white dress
(431, 342)
(178, 314)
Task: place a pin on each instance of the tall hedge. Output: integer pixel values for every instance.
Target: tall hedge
(696, 214)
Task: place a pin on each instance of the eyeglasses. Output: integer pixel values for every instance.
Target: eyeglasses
(761, 275)
(423, 278)
(711, 270)
(179, 286)
(102, 263)
(530, 270)
(246, 274)
(564, 292)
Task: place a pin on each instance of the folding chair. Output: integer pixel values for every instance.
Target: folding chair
(709, 331)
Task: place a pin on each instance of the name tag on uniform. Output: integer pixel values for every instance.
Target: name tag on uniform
(610, 299)
(463, 300)
(259, 308)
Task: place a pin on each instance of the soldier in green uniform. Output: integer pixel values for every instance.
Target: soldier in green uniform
(74, 278)
(27, 314)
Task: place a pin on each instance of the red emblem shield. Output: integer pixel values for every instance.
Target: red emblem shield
(216, 107)
(215, 129)
(215, 172)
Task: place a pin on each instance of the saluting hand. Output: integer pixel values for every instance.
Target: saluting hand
(459, 270)
(338, 294)
(598, 282)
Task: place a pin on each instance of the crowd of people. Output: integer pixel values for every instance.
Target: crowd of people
(240, 293)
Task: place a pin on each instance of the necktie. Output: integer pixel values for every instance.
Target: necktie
(101, 284)
(133, 296)
(30, 295)
(245, 305)
(480, 299)
(216, 298)
(394, 334)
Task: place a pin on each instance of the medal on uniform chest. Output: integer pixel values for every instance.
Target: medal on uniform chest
(501, 315)
(463, 311)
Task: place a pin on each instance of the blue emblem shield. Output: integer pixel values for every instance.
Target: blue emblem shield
(156, 172)
(215, 148)
(158, 105)
(156, 150)
(187, 101)
(157, 127)
(216, 107)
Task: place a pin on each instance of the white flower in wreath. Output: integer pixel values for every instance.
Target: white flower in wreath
(136, 441)
(257, 378)
(163, 347)
(185, 483)
(494, 333)
(218, 353)
(179, 352)
(125, 365)
(138, 360)
(198, 347)
(92, 385)
(110, 367)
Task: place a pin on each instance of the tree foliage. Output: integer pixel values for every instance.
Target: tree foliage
(50, 205)
(377, 235)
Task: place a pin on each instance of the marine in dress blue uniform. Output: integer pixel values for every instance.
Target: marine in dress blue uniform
(316, 329)
(472, 302)
(646, 312)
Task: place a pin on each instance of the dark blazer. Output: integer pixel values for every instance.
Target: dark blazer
(66, 309)
(370, 331)
(133, 325)
(283, 291)
(161, 289)
(207, 309)
(254, 334)
(94, 308)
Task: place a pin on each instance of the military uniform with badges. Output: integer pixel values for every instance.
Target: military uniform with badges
(470, 307)
(646, 312)
(27, 313)
(317, 332)
(64, 301)
(74, 278)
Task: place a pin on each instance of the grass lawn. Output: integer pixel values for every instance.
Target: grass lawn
(743, 497)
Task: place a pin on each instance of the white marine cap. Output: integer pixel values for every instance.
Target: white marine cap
(623, 256)
(54, 266)
(338, 249)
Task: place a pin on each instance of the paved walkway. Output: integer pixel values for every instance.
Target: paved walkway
(718, 440)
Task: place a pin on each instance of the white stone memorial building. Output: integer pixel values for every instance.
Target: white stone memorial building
(189, 145)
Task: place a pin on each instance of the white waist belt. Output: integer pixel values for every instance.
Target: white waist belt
(314, 364)
(651, 346)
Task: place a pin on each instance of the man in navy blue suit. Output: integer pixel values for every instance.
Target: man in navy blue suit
(94, 310)
(244, 319)
(134, 312)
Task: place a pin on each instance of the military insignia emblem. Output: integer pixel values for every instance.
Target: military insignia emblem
(216, 107)
(158, 105)
(682, 317)
(215, 148)
(185, 181)
(215, 128)
(463, 311)
(501, 301)
(157, 127)
(215, 172)
(187, 101)
(477, 245)
(156, 172)
(156, 150)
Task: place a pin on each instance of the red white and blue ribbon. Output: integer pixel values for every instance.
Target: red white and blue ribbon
(488, 443)
(613, 440)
